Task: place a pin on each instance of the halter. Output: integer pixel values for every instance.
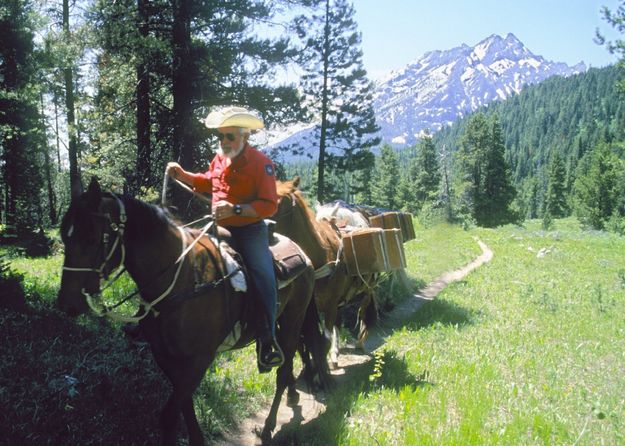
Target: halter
(328, 268)
(290, 211)
(118, 229)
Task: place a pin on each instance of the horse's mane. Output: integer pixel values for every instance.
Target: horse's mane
(148, 220)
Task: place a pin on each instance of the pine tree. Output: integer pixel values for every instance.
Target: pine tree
(555, 200)
(406, 191)
(428, 175)
(595, 190)
(487, 192)
(498, 190)
(386, 180)
(337, 91)
(21, 141)
(470, 160)
(167, 64)
(70, 100)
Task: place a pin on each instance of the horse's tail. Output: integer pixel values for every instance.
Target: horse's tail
(313, 350)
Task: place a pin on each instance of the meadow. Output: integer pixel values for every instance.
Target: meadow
(528, 349)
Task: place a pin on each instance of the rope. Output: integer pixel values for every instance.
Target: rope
(184, 186)
(358, 267)
(147, 306)
(202, 232)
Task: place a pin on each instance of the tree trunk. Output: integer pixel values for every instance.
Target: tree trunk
(181, 89)
(144, 150)
(48, 170)
(324, 109)
(182, 83)
(74, 172)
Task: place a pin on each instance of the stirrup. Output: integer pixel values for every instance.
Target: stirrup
(269, 355)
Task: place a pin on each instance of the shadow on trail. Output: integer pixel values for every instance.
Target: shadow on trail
(358, 380)
(440, 311)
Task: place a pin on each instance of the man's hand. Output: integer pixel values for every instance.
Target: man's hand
(223, 209)
(174, 170)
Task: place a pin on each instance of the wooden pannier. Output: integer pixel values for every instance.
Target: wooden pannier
(395, 220)
(407, 228)
(373, 250)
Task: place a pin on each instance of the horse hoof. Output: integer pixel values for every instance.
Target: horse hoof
(265, 437)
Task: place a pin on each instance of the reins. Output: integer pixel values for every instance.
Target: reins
(147, 306)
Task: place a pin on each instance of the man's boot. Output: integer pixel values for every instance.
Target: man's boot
(268, 352)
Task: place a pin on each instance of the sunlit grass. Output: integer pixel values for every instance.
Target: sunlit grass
(532, 353)
(437, 249)
(527, 349)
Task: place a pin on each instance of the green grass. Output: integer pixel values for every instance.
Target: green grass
(526, 350)
(80, 381)
(438, 249)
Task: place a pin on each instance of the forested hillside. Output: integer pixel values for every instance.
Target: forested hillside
(563, 137)
(117, 90)
(568, 116)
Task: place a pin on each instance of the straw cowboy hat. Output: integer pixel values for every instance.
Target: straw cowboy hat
(233, 117)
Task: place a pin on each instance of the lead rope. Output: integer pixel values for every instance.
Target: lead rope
(184, 186)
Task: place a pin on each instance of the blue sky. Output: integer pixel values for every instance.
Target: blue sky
(396, 32)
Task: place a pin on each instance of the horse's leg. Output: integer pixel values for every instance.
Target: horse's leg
(313, 350)
(367, 315)
(288, 338)
(334, 348)
(329, 319)
(185, 376)
(196, 437)
(284, 375)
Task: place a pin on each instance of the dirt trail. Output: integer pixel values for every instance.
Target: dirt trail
(309, 407)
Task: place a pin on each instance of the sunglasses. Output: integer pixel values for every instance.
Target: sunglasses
(229, 136)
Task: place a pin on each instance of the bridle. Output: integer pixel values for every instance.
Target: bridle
(290, 210)
(118, 229)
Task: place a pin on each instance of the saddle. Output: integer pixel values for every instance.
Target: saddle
(289, 262)
(288, 258)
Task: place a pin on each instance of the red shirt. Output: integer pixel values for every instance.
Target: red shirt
(249, 179)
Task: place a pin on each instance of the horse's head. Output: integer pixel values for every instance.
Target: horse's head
(287, 201)
(92, 231)
(285, 188)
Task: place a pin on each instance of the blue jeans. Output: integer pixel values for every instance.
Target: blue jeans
(252, 242)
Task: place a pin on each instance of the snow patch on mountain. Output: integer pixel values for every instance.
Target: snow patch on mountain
(436, 89)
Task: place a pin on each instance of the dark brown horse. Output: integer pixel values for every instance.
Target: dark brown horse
(190, 307)
(321, 241)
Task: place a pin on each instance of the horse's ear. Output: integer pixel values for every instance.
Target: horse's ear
(94, 192)
(296, 180)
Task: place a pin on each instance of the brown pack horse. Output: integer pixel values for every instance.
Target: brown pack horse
(189, 307)
(321, 241)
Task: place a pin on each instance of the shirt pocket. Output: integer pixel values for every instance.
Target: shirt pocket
(240, 185)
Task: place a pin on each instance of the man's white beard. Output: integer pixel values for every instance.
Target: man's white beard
(233, 153)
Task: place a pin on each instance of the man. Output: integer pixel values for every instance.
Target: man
(242, 182)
